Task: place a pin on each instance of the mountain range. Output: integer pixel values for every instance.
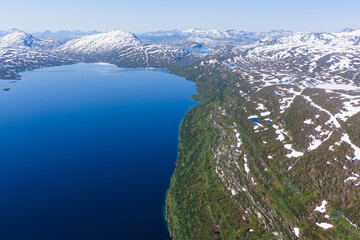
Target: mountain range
(156, 48)
(272, 151)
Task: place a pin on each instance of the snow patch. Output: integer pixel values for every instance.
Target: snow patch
(247, 170)
(297, 231)
(322, 207)
(308, 121)
(325, 225)
(346, 139)
(293, 153)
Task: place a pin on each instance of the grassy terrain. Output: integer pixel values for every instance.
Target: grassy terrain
(200, 204)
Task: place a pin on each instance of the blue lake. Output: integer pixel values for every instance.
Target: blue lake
(199, 50)
(87, 152)
(236, 65)
(255, 120)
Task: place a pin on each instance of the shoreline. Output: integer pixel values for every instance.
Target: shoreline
(177, 156)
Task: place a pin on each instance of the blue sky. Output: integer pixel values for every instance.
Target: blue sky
(141, 15)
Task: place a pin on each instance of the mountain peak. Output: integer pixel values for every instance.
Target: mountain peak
(102, 42)
(206, 33)
(347, 30)
(116, 33)
(19, 39)
(350, 33)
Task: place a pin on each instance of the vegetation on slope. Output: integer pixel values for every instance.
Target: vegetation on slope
(275, 199)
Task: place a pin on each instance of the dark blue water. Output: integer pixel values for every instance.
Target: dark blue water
(87, 152)
(255, 120)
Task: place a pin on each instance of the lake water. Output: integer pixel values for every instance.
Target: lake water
(87, 152)
(199, 50)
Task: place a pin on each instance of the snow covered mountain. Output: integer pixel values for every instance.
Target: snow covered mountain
(312, 53)
(19, 39)
(22, 39)
(8, 31)
(20, 51)
(122, 48)
(342, 39)
(101, 43)
(332, 51)
(213, 34)
(208, 38)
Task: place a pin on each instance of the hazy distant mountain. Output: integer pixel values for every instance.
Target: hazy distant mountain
(207, 38)
(19, 39)
(22, 39)
(347, 30)
(63, 35)
(6, 32)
